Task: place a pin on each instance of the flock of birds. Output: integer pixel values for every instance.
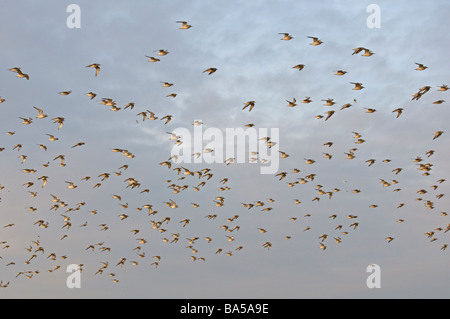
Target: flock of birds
(62, 212)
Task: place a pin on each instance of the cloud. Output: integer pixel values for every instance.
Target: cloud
(242, 41)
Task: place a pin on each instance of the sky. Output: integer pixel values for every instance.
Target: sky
(242, 41)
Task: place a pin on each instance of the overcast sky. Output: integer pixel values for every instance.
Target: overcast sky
(242, 40)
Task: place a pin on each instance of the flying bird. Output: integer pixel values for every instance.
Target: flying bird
(399, 111)
(421, 67)
(307, 100)
(96, 66)
(59, 120)
(329, 114)
(329, 102)
(20, 74)
(357, 50)
(315, 41)
(162, 52)
(357, 86)
(41, 113)
(292, 103)
(210, 71)
(184, 25)
(152, 59)
(367, 53)
(168, 118)
(437, 134)
(249, 104)
(340, 72)
(286, 36)
(91, 95)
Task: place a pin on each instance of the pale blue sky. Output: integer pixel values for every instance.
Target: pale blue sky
(242, 40)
